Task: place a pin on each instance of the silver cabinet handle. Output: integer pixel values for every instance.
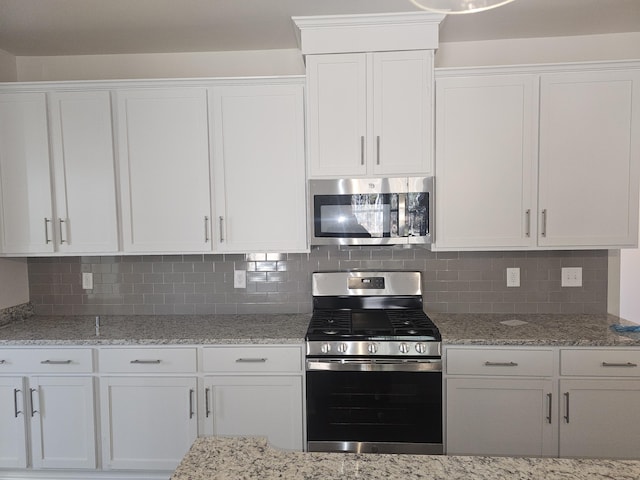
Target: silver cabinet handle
(378, 150)
(15, 402)
(528, 222)
(146, 362)
(62, 230)
(56, 362)
(500, 364)
(221, 229)
(33, 411)
(549, 402)
(544, 223)
(566, 406)
(207, 410)
(46, 230)
(191, 412)
(362, 150)
(627, 364)
(251, 360)
(206, 229)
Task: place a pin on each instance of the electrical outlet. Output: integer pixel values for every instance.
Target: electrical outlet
(87, 281)
(571, 277)
(513, 277)
(239, 279)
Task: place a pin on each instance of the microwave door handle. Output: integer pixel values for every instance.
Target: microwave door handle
(402, 215)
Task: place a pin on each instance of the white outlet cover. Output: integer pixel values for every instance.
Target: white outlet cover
(571, 277)
(239, 279)
(87, 280)
(513, 277)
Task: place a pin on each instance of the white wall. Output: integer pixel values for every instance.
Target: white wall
(14, 282)
(161, 65)
(8, 69)
(630, 284)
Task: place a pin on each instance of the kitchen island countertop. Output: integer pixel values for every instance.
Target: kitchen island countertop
(249, 458)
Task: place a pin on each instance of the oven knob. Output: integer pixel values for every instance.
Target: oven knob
(342, 347)
(421, 348)
(325, 348)
(404, 348)
(372, 348)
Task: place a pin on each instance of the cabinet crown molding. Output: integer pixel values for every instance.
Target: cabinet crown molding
(367, 33)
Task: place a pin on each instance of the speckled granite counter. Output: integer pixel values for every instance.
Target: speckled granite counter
(214, 458)
(456, 329)
(561, 330)
(157, 330)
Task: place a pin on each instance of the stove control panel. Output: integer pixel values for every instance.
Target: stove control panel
(368, 348)
(365, 283)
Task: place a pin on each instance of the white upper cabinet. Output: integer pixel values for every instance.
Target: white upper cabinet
(84, 172)
(370, 114)
(486, 141)
(259, 168)
(26, 219)
(163, 140)
(589, 158)
(537, 159)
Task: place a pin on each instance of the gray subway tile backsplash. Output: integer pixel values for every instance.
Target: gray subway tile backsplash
(454, 282)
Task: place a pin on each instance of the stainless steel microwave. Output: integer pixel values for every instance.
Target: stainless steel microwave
(371, 211)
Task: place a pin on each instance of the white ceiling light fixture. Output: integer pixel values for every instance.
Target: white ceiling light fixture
(458, 6)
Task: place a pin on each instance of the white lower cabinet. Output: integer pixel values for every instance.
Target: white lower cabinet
(254, 390)
(149, 406)
(501, 402)
(600, 389)
(148, 422)
(47, 420)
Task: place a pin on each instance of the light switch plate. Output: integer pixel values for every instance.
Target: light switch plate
(571, 277)
(239, 279)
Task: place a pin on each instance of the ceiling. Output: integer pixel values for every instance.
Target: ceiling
(76, 27)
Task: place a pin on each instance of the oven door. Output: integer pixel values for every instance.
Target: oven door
(376, 406)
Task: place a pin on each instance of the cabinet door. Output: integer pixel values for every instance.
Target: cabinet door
(62, 422)
(269, 406)
(147, 422)
(402, 113)
(337, 115)
(25, 181)
(486, 141)
(589, 159)
(599, 418)
(85, 192)
(13, 446)
(259, 168)
(164, 170)
(501, 417)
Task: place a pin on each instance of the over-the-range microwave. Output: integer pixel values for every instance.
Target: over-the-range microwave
(371, 211)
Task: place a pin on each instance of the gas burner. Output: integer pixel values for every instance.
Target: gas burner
(330, 332)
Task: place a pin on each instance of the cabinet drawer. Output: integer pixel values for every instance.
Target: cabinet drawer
(493, 361)
(46, 360)
(148, 360)
(252, 359)
(600, 363)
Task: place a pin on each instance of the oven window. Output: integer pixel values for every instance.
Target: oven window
(374, 406)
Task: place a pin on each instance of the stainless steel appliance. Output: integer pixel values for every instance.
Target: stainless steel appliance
(373, 365)
(371, 211)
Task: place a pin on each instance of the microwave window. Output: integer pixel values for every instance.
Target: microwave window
(360, 220)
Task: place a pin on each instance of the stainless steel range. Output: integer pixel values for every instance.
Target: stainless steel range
(373, 365)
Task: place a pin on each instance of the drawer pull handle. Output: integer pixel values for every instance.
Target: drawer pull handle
(566, 406)
(627, 364)
(549, 398)
(251, 360)
(15, 402)
(56, 362)
(146, 362)
(500, 364)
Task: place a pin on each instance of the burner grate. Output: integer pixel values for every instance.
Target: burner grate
(411, 322)
(330, 322)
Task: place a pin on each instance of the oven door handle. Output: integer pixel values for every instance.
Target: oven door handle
(374, 365)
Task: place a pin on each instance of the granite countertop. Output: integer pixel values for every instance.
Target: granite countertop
(157, 330)
(456, 329)
(248, 458)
